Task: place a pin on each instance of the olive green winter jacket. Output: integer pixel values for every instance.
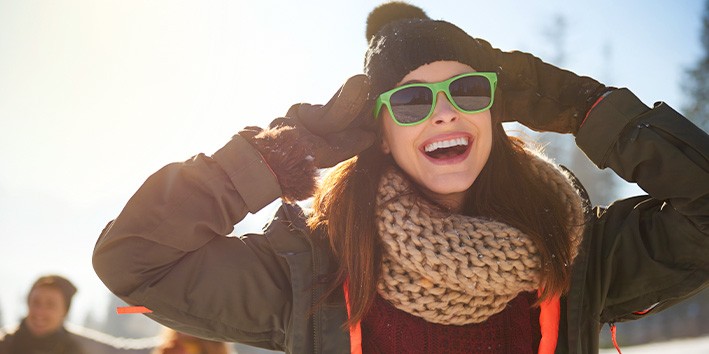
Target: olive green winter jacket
(167, 249)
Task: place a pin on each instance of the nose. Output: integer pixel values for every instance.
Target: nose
(444, 112)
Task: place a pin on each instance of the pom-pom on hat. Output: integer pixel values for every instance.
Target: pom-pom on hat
(402, 38)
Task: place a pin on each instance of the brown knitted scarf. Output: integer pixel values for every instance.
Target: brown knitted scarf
(455, 269)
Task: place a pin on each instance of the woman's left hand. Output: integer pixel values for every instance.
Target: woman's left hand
(539, 95)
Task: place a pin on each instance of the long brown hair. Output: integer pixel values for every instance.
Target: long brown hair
(506, 191)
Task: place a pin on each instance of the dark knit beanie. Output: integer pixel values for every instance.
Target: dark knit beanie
(402, 38)
(57, 282)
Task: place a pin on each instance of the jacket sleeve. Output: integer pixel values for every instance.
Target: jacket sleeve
(167, 249)
(647, 251)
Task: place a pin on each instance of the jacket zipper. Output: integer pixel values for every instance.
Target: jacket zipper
(314, 281)
(313, 299)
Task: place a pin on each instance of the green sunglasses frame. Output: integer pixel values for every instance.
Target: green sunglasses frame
(435, 87)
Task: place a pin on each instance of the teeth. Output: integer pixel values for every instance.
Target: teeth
(446, 144)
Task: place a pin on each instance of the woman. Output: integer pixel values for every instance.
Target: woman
(443, 234)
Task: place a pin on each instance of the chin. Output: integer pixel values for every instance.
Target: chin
(449, 190)
(452, 183)
(448, 187)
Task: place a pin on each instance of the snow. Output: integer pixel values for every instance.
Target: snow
(683, 346)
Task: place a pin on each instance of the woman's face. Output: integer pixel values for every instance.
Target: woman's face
(47, 311)
(446, 174)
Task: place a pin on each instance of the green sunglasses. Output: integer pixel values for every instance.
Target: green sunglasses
(412, 104)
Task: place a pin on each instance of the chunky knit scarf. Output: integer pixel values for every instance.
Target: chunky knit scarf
(456, 269)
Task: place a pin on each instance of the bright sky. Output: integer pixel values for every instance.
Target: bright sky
(95, 95)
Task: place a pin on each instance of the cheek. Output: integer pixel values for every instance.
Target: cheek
(399, 141)
(483, 124)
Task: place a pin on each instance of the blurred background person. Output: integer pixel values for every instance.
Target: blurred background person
(42, 330)
(180, 343)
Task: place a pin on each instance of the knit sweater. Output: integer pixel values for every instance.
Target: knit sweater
(386, 329)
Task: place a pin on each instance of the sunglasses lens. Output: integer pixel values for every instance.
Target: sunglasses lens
(471, 93)
(411, 104)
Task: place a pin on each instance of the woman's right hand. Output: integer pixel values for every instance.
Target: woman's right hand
(332, 132)
(338, 125)
(314, 136)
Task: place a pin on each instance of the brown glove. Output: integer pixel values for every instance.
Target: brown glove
(338, 133)
(314, 136)
(541, 96)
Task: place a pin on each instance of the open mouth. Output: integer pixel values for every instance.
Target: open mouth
(447, 149)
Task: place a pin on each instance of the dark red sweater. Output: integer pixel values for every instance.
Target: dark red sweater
(515, 330)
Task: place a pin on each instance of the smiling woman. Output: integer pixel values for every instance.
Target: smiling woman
(447, 148)
(434, 231)
(95, 96)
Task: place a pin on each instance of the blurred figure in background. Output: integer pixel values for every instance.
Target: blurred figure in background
(180, 343)
(42, 331)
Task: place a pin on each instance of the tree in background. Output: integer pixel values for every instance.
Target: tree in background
(696, 81)
(602, 185)
(90, 321)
